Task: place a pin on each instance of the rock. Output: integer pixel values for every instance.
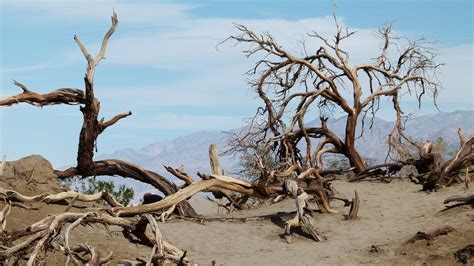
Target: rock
(30, 174)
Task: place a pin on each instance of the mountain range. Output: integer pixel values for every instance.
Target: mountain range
(191, 151)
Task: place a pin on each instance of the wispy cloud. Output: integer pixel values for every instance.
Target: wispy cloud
(28, 68)
(171, 121)
(207, 82)
(78, 10)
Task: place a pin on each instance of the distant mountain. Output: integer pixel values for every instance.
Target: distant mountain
(191, 151)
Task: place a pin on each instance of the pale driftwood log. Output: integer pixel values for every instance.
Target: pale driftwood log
(464, 153)
(179, 174)
(354, 210)
(214, 159)
(303, 218)
(463, 199)
(3, 217)
(234, 199)
(164, 215)
(35, 240)
(157, 254)
(67, 250)
(96, 257)
(226, 183)
(209, 185)
(52, 198)
(323, 203)
(2, 164)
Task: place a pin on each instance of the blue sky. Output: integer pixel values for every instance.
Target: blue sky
(163, 66)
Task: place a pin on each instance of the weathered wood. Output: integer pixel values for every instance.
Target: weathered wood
(32, 243)
(431, 234)
(52, 198)
(354, 210)
(92, 127)
(214, 159)
(303, 217)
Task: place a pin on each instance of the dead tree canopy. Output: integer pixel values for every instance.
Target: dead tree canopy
(295, 88)
(92, 127)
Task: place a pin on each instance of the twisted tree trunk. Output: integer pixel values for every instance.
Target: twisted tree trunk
(92, 128)
(349, 148)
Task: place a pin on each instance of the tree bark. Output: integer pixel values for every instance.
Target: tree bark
(92, 127)
(349, 148)
(89, 132)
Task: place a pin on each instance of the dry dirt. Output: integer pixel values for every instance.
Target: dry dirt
(389, 215)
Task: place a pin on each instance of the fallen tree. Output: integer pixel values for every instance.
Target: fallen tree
(432, 171)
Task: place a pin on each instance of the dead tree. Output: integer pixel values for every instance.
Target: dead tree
(432, 170)
(53, 232)
(313, 83)
(92, 127)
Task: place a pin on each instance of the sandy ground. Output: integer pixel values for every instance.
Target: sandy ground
(389, 215)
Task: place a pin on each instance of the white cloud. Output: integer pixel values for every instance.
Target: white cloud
(28, 68)
(193, 45)
(166, 37)
(457, 74)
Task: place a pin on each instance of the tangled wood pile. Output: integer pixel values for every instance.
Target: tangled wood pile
(31, 243)
(311, 78)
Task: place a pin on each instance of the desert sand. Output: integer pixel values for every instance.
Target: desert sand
(389, 215)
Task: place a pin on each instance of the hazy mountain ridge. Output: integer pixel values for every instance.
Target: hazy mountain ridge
(191, 150)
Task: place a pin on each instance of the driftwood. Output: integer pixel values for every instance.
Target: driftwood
(2, 164)
(431, 234)
(3, 216)
(304, 217)
(431, 170)
(460, 201)
(34, 241)
(464, 254)
(354, 210)
(12, 195)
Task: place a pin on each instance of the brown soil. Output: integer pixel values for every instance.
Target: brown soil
(390, 214)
